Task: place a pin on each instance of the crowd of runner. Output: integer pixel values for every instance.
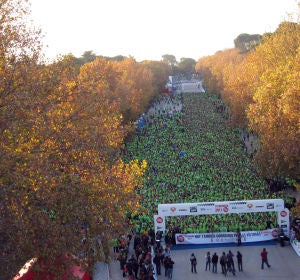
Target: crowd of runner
(193, 156)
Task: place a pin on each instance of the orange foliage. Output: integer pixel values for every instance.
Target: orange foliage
(275, 113)
(134, 89)
(61, 131)
(261, 89)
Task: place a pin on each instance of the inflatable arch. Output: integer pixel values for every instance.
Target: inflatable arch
(224, 207)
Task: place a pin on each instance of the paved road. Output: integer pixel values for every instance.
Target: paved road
(285, 264)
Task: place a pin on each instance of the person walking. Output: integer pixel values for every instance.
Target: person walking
(169, 265)
(239, 257)
(157, 263)
(135, 267)
(208, 261)
(214, 261)
(122, 259)
(223, 263)
(230, 263)
(158, 238)
(166, 265)
(147, 270)
(264, 258)
(193, 261)
(230, 256)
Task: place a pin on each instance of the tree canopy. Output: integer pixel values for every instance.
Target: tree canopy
(245, 42)
(260, 88)
(63, 127)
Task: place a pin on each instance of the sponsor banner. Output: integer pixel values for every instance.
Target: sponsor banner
(206, 208)
(159, 223)
(283, 220)
(221, 207)
(225, 237)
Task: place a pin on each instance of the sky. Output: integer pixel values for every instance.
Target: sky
(149, 29)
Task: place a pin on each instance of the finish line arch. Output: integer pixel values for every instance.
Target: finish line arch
(223, 207)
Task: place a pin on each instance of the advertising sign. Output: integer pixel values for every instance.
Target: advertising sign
(222, 207)
(225, 207)
(225, 237)
(283, 220)
(159, 223)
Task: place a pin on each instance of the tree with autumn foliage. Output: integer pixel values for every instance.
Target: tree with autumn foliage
(261, 91)
(160, 70)
(241, 76)
(275, 113)
(62, 170)
(212, 69)
(134, 88)
(59, 158)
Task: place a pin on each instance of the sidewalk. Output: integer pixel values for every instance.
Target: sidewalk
(101, 271)
(112, 270)
(285, 264)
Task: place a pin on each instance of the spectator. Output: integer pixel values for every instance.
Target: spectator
(223, 263)
(264, 258)
(239, 257)
(193, 261)
(230, 262)
(166, 264)
(134, 265)
(214, 261)
(208, 261)
(157, 263)
(169, 266)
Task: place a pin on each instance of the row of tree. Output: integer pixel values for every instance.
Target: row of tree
(185, 65)
(62, 126)
(261, 87)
